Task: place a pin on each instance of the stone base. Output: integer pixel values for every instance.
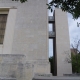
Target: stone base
(76, 74)
(15, 66)
(5, 78)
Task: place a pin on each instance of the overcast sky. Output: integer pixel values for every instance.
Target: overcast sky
(74, 31)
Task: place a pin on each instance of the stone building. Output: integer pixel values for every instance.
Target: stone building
(24, 40)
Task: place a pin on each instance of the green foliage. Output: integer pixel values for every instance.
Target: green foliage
(51, 60)
(71, 6)
(76, 63)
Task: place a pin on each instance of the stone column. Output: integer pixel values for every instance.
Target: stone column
(9, 31)
(62, 43)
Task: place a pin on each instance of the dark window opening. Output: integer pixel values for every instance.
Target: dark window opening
(3, 19)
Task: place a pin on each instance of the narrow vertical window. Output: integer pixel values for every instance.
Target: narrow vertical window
(51, 48)
(3, 19)
(50, 27)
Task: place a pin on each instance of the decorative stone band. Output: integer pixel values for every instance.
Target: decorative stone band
(51, 34)
(51, 18)
(11, 58)
(55, 78)
(8, 1)
(5, 78)
(44, 75)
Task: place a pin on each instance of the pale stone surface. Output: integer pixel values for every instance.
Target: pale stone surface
(9, 64)
(9, 32)
(55, 78)
(14, 66)
(27, 34)
(30, 29)
(62, 43)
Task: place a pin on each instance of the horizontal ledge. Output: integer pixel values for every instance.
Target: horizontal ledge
(51, 19)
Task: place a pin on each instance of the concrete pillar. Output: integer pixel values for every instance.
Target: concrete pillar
(9, 31)
(62, 43)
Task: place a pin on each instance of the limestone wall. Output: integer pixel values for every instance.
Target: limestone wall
(30, 35)
(15, 67)
(27, 32)
(62, 43)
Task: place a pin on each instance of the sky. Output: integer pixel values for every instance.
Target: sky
(74, 31)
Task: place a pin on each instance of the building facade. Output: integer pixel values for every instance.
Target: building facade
(24, 40)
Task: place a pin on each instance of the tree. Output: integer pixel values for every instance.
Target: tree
(76, 45)
(71, 6)
(51, 60)
(75, 56)
(78, 24)
(75, 60)
(75, 63)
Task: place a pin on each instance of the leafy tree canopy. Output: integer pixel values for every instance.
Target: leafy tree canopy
(75, 63)
(71, 6)
(51, 60)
